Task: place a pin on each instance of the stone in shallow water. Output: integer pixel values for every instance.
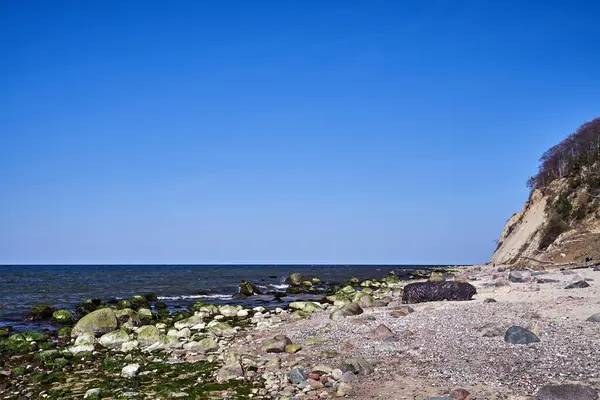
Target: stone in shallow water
(520, 335)
(567, 392)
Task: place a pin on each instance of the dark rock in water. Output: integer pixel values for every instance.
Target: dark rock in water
(594, 318)
(150, 296)
(248, 289)
(160, 305)
(567, 392)
(112, 301)
(578, 285)
(40, 312)
(420, 292)
(87, 307)
(520, 335)
(519, 276)
(490, 300)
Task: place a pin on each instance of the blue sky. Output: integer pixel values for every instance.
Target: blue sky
(281, 131)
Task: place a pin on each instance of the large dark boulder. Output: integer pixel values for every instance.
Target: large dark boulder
(567, 392)
(420, 292)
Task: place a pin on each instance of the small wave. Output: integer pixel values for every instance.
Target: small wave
(197, 296)
(282, 286)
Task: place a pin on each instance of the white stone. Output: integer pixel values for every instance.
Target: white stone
(130, 371)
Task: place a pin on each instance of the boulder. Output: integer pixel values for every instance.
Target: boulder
(190, 322)
(87, 307)
(520, 335)
(40, 312)
(277, 344)
(419, 292)
(127, 318)
(148, 335)
(145, 314)
(366, 301)
(567, 392)
(63, 317)
(221, 329)
(114, 339)
(202, 346)
(229, 311)
(97, 322)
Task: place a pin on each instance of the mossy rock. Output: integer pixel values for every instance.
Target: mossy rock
(28, 336)
(138, 302)
(145, 315)
(347, 290)
(221, 329)
(294, 290)
(97, 322)
(10, 347)
(64, 333)
(150, 296)
(315, 281)
(4, 332)
(292, 348)
(47, 356)
(307, 284)
(294, 279)
(64, 317)
(40, 312)
(18, 371)
(148, 335)
(160, 305)
(87, 307)
(123, 304)
(179, 315)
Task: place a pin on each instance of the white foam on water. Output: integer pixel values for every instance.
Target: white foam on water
(282, 286)
(197, 296)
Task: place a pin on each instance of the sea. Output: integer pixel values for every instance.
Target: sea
(63, 286)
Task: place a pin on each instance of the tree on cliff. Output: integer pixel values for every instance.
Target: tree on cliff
(580, 151)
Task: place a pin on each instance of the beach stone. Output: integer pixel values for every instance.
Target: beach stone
(439, 398)
(381, 332)
(202, 346)
(518, 276)
(520, 335)
(322, 369)
(346, 311)
(129, 346)
(64, 317)
(93, 394)
(459, 394)
(242, 313)
(567, 392)
(145, 314)
(337, 374)
(366, 301)
(494, 332)
(114, 339)
(343, 389)
(221, 329)
(296, 376)
(127, 318)
(358, 365)
(419, 292)
(148, 335)
(190, 321)
(578, 285)
(277, 344)
(130, 371)
(86, 338)
(97, 322)
(229, 311)
(594, 318)
(348, 377)
(490, 300)
(292, 348)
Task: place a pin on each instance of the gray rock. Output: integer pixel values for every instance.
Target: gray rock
(348, 377)
(130, 371)
(358, 365)
(594, 318)
(578, 285)
(346, 311)
(520, 335)
(277, 344)
(93, 394)
(519, 276)
(296, 376)
(114, 339)
(148, 335)
(567, 392)
(227, 373)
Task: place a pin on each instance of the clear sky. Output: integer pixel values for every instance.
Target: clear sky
(275, 131)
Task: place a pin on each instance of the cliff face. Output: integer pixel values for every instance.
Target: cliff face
(558, 225)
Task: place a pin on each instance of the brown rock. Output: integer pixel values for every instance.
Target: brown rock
(459, 394)
(381, 332)
(398, 314)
